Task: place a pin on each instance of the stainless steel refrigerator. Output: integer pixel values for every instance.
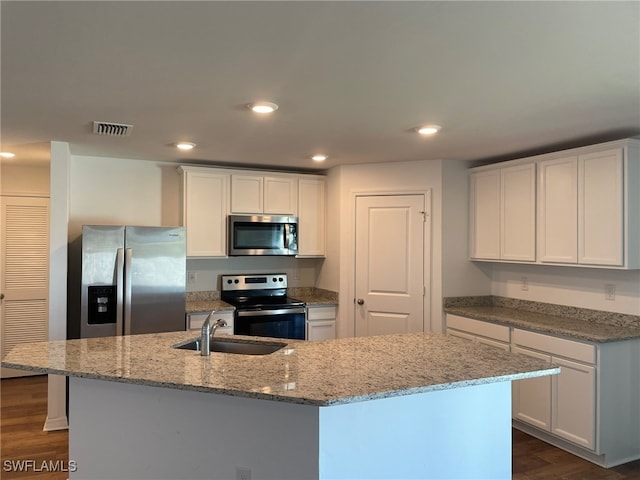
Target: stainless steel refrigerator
(133, 280)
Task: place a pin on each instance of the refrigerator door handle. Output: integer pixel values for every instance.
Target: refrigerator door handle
(128, 254)
(119, 289)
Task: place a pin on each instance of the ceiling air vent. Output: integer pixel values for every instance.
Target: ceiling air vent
(112, 129)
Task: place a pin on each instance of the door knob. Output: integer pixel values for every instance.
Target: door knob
(360, 301)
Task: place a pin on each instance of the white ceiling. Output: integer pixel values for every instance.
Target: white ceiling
(352, 78)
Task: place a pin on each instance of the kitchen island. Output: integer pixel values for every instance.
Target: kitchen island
(395, 406)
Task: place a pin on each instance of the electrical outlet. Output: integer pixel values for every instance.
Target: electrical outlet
(609, 291)
(524, 284)
(243, 473)
(192, 277)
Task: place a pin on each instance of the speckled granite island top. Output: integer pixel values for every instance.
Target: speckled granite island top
(315, 373)
(578, 323)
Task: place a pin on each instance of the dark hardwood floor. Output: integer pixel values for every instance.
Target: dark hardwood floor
(24, 408)
(28, 453)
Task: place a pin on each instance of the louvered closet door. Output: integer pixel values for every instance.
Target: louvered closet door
(24, 275)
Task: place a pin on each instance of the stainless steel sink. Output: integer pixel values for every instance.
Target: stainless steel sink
(242, 347)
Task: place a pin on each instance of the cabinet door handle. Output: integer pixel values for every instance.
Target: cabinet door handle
(360, 301)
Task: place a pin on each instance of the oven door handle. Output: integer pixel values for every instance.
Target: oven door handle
(260, 313)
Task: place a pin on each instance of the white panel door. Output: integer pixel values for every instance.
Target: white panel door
(558, 212)
(24, 279)
(389, 264)
(600, 208)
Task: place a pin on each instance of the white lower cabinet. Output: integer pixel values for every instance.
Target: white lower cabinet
(321, 323)
(562, 404)
(573, 402)
(531, 399)
(591, 408)
(196, 320)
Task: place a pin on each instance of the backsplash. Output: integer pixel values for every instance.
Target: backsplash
(295, 292)
(576, 313)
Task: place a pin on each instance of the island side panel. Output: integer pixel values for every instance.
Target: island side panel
(447, 434)
(125, 431)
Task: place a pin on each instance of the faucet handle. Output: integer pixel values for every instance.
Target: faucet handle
(221, 322)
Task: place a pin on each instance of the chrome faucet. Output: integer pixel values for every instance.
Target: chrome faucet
(208, 331)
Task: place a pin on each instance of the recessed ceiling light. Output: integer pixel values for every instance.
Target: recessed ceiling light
(263, 107)
(7, 154)
(319, 157)
(185, 146)
(428, 129)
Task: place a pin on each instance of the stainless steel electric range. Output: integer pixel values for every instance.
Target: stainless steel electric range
(263, 307)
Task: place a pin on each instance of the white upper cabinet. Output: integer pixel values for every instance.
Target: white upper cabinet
(204, 211)
(264, 194)
(558, 210)
(485, 214)
(518, 213)
(588, 208)
(601, 208)
(210, 194)
(311, 217)
(247, 194)
(502, 221)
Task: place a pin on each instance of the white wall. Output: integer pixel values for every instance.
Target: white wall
(122, 191)
(58, 227)
(135, 192)
(376, 178)
(23, 180)
(573, 286)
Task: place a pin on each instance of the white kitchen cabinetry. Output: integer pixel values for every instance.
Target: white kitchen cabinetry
(581, 209)
(485, 215)
(503, 213)
(321, 322)
(590, 408)
(558, 210)
(567, 409)
(204, 211)
(478, 331)
(601, 208)
(587, 212)
(263, 194)
(531, 400)
(311, 216)
(196, 320)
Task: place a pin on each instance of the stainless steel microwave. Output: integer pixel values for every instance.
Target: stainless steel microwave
(263, 235)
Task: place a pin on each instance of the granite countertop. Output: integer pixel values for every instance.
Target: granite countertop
(207, 301)
(572, 322)
(197, 306)
(314, 373)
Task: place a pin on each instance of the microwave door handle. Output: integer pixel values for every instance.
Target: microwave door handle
(287, 228)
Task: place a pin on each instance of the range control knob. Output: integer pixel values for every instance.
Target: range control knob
(274, 279)
(281, 279)
(236, 281)
(229, 281)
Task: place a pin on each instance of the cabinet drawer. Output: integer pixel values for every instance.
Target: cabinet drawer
(478, 327)
(583, 352)
(321, 313)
